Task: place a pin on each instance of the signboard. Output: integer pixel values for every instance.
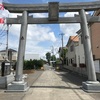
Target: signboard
(1, 20)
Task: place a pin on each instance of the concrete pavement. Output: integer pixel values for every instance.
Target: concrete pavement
(50, 86)
(20, 95)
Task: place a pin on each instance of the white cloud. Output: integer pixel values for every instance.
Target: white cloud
(40, 15)
(69, 29)
(35, 35)
(40, 33)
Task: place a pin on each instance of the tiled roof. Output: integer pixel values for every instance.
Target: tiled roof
(8, 50)
(74, 38)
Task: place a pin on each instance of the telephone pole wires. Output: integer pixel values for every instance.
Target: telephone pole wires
(62, 51)
(7, 42)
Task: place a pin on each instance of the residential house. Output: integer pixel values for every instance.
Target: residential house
(71, 56)
(12, 55)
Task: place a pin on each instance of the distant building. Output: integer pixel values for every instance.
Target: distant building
(32, 56)
(12, 55)
(71, 55)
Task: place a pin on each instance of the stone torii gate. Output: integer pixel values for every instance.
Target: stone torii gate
(53, 9)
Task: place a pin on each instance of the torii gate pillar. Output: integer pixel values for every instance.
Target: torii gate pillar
(92, 84)
(19, 84)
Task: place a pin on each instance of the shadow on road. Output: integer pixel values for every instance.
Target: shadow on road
(59, 87)
(71, 77)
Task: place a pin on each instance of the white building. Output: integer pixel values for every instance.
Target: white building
(32, 56)
(73, 42)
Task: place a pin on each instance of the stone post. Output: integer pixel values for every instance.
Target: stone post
(19, 84)
(91, 84)
(21, 50)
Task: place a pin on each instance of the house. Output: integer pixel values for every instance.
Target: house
(12, 56)
(94, 30)
(71, 56)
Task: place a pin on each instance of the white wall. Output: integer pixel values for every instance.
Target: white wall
(32, 56)
(71, 54)
(77, 55)
(81, 51)
(97, 65)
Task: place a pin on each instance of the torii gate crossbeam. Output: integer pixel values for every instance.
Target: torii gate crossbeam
(63, 7)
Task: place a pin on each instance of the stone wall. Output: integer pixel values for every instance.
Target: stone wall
(81, 71)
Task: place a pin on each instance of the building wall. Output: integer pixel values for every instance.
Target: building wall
(71, 55)
(81, 51)
(32, 56)
(95, 40)
(13, 58)
(77, 55)
(2, 55)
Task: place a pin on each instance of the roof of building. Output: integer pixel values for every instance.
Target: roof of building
(12, 50)
(73, 39)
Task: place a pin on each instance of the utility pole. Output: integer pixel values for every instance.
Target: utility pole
(52, 53)
(62, 34)
(7, 42)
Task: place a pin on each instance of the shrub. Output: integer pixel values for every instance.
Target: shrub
(31, 64)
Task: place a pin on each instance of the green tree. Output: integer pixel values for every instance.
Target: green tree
(48, 57)
(53, 58)
(63, 54)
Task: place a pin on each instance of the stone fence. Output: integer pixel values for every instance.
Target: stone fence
(81, 71)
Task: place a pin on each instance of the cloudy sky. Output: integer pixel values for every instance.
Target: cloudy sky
(40, 37)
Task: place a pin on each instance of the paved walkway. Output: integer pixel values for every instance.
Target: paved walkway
(50, 86)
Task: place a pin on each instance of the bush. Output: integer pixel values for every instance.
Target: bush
(33, 64)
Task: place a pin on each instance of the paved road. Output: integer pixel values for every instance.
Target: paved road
(19, 95)
(50, 86)
(47, 67)
(77, 80)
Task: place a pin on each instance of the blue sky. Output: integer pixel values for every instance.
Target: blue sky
(41, 37)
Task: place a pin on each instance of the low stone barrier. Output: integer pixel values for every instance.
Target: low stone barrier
(81, 71)
(6, 80)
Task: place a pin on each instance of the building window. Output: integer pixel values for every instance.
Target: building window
(72, 48)
(3, 54)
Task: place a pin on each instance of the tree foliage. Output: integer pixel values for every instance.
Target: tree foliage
(53, 58)
(63, 54)
(33, 64)
(48, 57)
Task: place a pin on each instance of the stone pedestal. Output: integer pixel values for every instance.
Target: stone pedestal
(89, 86)
(17, 86)
(6, 80)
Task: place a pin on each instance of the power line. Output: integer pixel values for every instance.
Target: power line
(62, 34)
